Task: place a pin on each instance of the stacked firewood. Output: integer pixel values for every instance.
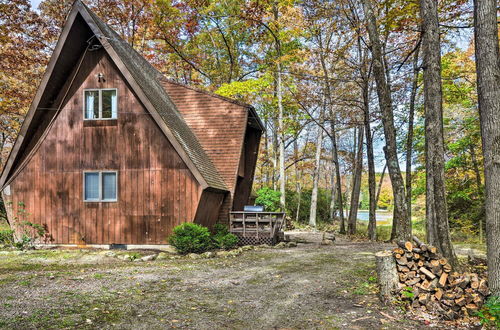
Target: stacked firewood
(428, 281)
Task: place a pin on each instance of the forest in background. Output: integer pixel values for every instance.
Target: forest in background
(348, 91)
(305, 66)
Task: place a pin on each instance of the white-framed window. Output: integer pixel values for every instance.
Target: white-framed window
(100, 103)
(100, 186)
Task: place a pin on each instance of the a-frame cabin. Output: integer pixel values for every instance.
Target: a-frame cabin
(111, 152)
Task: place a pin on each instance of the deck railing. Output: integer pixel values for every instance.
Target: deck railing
(257, 227)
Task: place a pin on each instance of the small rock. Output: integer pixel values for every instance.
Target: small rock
(328, 236)
(223, 254)
(247, 247)
(162, 256)
(88, 321)
(327, 242)
(126, 257)
(194, 256)
(110, 254)
(149, 258)
(208, 255)
(234, 253)
(175, 257)
(291, 244)
(280, 245)
(170, 249)
(51, 277)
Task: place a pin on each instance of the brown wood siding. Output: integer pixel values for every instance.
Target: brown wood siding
(156, 190)
(244, 184)
(219, 126)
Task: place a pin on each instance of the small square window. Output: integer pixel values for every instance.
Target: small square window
(100, 104)
(100, 187)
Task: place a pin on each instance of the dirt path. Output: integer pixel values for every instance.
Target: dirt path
(309, 286)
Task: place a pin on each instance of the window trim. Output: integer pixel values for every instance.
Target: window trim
(100, 200)
(100, 102)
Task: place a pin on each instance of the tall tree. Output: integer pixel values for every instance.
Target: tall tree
(401, 221)
(356, 182)
(438, 232)
(409, 137)
(488, 86)
(317, 165)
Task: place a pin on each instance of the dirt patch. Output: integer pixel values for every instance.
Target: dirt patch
(310, 286)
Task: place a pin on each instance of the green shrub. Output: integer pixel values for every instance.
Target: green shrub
(222, 239)
(489, 314)
(191, 238)
(7, 237)
(268, 198)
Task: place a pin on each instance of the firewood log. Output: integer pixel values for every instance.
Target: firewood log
(438, 294)
(427, 273)
(403, 269)
(471, 308)
(423, 298)
(398, 250)
(443, 279)
(483, 288)
(416, 240)
(443, 261)
(447, 268)
(402, 261)
(460, 301)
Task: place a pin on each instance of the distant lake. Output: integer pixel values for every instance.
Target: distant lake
(381, 216)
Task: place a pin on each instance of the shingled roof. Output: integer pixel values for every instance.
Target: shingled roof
(148, 78)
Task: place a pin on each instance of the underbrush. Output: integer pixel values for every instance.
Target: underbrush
(194, 238)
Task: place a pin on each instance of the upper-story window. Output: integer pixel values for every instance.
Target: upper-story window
(100, 103)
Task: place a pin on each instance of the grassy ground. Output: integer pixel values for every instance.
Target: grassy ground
(305, 287)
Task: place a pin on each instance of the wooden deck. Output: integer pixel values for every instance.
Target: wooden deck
(257, 227)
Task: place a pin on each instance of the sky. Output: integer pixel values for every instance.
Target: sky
(35, 3)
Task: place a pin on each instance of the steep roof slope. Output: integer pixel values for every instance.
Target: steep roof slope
(218, 124)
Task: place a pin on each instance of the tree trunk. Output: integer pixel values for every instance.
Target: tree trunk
(488, 83)
(409, 139)
(387, 276)
(333, 189)
(281, 128)
(401, 221)
(438, 232)
(281, 137)
(356, 185)
(298, 176)
(475, 164)
(365, 90)
(372, 219)
(340, 202)
(334, 140)
(314, 193)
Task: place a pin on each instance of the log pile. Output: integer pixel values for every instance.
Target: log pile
(428, 282)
